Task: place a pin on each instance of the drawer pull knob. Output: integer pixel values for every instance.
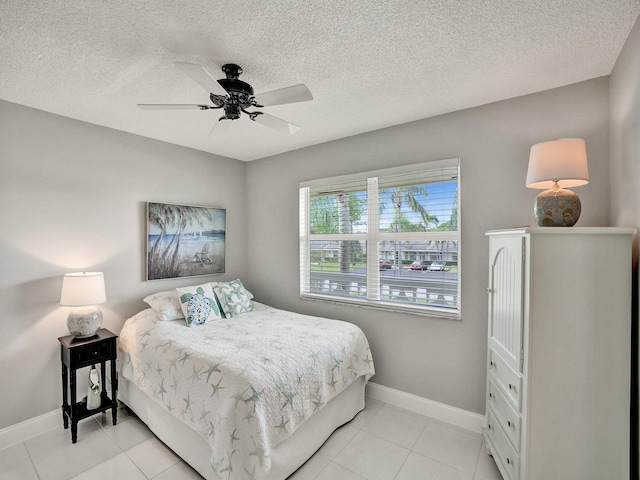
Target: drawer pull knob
(490, 395)
(491, 363)
(509, 422)
(489, 426)
(510, 387)
(508, 460)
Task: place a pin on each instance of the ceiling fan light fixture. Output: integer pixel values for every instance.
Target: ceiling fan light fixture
(217, 100)
(232, 111)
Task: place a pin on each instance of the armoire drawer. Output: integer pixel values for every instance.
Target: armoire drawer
(507, 378)
(503, 452)
(508, 417)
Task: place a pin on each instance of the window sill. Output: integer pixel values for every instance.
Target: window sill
(433, 312)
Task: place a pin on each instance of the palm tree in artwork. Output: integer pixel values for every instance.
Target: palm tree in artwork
(164, 259)
(162, 216)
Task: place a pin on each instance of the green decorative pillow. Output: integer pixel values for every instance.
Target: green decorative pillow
(233, 298)
(198, 304)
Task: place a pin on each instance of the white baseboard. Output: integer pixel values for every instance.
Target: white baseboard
(424, 406)
(440, 411)
(30, 428)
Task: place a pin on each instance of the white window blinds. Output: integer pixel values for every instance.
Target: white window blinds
(388, 239)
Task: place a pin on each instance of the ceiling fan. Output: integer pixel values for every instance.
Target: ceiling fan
(235, 96)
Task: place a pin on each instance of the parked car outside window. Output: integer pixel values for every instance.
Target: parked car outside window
(419, 265)
(437, 266)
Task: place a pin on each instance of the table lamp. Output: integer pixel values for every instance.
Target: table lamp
(556, 165)
(84, 290)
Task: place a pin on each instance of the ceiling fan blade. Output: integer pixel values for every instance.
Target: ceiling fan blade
(220, 128)
(171, 106)
(276, 123)
(293, 94)
(202, 77)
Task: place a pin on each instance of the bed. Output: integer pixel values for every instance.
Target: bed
(251, 396)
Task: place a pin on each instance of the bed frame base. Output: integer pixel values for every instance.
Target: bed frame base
(286, 457)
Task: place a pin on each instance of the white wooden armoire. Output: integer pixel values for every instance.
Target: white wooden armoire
(558, 383)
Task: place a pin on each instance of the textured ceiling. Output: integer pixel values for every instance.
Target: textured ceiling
(369, 64)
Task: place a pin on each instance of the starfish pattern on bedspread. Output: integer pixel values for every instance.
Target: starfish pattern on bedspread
(246, 383)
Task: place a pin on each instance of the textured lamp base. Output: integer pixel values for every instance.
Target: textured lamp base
(84, 322)
(557, 207)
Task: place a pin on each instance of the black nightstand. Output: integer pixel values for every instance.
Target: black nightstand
(76, 353)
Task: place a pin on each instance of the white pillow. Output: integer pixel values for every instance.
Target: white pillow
(233, 298)
(166, 305)
(198, 304)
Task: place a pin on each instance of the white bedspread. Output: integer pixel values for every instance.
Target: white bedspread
(247, 382)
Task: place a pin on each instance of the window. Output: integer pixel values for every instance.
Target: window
(387, 239)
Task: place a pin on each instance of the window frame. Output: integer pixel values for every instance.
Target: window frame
(373, 238)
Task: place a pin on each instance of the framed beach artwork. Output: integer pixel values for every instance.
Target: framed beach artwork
(184, 240)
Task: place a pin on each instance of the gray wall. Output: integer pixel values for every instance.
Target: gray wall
(625, 166)
(73, 198)
(443, 360)
(625, 134)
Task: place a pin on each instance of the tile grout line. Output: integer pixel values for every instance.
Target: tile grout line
(133, 446)
(359, 429)
(111, 439)
(31, 460)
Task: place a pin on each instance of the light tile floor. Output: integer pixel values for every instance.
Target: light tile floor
(382, 443)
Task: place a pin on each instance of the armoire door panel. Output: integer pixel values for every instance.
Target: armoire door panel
(506, 311)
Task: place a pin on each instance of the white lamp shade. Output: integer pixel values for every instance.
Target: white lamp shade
(564, 161)
(83, 288)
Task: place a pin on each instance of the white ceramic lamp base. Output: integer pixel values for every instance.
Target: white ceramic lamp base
(557, 207)
(84, 322)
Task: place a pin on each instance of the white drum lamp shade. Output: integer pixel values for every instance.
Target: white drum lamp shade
(83, 290)
(556, 165)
